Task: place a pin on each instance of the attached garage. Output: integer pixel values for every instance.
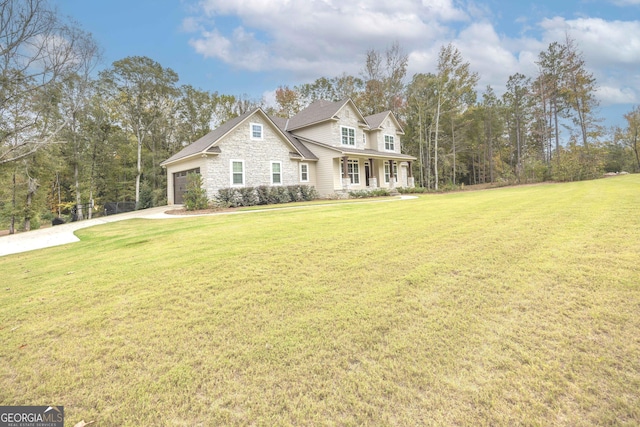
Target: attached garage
(180, 184)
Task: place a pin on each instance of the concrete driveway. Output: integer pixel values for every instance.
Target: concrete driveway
(64, 233)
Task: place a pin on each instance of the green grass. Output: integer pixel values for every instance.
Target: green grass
(514, 306)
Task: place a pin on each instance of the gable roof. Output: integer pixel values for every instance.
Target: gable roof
(318, 111)
(375, 121)
(201, 145)
(205, 144)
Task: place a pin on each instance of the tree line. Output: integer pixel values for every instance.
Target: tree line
(543, 127)
(71, 137)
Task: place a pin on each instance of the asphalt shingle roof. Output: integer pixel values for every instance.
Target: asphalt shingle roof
(317, 112)
(203, 143)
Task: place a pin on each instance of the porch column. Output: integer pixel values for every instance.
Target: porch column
(373, 179)
(392, 175)
(411, 182)
(346, 181)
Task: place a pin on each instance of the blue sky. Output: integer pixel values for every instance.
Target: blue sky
(253, 46)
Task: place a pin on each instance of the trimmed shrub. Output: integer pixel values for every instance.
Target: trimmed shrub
(263, 194)
(363, 194)
(228, 198)
(249, 196)
(409, 190)
(308, 193)
(279, 195)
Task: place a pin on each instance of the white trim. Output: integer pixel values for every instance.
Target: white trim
(271, 172)
(387, 171)
(307, 172)
(349, 137)
(256, 138)
(231, 183)
(392, 142)
(353, 173)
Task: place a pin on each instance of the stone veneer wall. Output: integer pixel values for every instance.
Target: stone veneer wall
(257, 156)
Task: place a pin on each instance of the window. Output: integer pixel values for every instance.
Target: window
(389, 143)
(237, 172)
(304, 172)
(276, 173)
(387, 175)
(348, 135)
(353, 170)
(256, 130)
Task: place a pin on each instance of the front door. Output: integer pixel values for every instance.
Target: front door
(367, 173)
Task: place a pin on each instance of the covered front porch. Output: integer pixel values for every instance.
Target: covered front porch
(362, 173)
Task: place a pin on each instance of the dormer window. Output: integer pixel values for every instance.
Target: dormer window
(256, 131)
(348, 135)
(389, 143)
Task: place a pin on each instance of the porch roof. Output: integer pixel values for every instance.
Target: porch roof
(368, 153)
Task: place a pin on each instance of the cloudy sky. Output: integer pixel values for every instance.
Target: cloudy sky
(253, 46)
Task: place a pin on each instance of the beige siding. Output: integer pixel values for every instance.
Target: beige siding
(313, 173)
(330, 132)
(322, 132)
(377, 137)
(326, 170)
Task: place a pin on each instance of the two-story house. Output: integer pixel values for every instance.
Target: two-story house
(328, 145)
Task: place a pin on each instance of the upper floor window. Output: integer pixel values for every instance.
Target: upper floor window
(256, 131)
(304, 172)
(276, 173)
(389, 143)
(348, 135)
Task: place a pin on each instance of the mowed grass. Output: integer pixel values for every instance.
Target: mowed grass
(515, 306)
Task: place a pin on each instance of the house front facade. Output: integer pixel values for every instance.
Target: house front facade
(328, 145)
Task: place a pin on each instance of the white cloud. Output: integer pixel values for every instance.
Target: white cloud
(314, 38)
(611, 95)
(611, 50)
(603, 42)
(626, 2)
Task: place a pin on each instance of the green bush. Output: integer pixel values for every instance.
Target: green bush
(412, 190)
(362, 194)
(308, 193)
(195, 197)
(264, 195)
(295, 195)
(279, 195)
(229, 198)
(249, 196)
(146, 196)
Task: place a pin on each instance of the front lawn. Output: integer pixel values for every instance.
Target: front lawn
(518, 305)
